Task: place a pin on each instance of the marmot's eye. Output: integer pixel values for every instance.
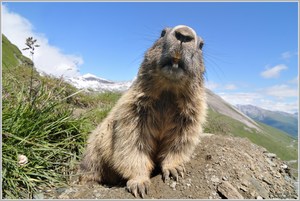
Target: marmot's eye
(163, 33)
(201, 45)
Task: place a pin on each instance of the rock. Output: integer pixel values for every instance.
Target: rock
(267, 181)
(277, 175)
(243, 188)
(63, 197)
(264, 150)
(270, 162)
(259, 197)
(270, 155)
(284, 166)
(215, 179)
(173, 185)
(224, 178)
(245, 182)
(97, 195)
(228, 191)
(60, 190)
(296, 185)
(210, 170)
(259, 188)
(38, 196)
(22, 159)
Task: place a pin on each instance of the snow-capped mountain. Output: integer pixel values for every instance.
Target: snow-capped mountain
(93, 83)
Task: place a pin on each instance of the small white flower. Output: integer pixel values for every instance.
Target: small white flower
(22, 159)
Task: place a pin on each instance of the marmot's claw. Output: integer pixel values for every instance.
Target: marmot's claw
(138, 187)
(166, 174)
(142, 189)
(174, 173)
(134, 192)
(181, 170)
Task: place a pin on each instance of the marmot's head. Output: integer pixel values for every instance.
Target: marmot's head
(175, 56)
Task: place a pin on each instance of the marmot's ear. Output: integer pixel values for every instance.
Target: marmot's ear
(164, 31)
(201, 43)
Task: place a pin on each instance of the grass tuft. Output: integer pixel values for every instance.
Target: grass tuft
(41, 127)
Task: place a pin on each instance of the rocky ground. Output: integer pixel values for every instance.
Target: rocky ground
(222, 167)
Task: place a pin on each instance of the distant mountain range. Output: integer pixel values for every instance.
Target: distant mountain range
(93, 83)
(284, 121)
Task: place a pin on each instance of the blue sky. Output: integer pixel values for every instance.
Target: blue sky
(250, 51)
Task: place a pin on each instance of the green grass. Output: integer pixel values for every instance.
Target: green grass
(42, 128)
(11, 55)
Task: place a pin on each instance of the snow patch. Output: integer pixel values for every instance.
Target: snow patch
(94, 83)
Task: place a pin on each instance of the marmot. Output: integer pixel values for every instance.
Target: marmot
(157, 122)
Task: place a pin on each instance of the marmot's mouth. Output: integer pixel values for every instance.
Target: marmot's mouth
(173, 64)
(172, 69)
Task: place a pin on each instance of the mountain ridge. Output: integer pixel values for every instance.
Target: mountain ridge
(91, 82)
(281, 120)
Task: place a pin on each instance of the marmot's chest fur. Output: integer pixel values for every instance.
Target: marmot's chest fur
(161, 114)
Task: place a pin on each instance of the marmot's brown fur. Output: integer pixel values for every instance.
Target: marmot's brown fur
(157, 122)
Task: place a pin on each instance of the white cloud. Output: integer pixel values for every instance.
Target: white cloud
(290, 107)
(240, 98)
(260, 100)
(281, 91)
(230, 87)
(287, 55)
(273, 72)
(211, 85)
(294, 81)
(47, 58)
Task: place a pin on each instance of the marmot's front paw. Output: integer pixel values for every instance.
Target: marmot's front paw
(138, 186)
(174, 172)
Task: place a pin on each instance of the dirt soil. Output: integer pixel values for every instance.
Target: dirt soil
(221, 167)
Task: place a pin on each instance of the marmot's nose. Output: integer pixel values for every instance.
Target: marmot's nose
(184, 34)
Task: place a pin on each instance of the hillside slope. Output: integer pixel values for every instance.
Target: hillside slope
(217, 104)
(281, 120)
(11, 55)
